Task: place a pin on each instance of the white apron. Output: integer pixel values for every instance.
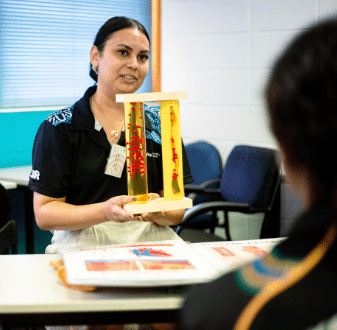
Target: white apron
(108, 233)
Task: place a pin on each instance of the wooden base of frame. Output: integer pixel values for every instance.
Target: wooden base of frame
(159, 205)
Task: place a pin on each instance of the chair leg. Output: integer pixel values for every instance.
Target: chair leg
(226, 226)
(14, 249)
(214, 216)
(271, 225)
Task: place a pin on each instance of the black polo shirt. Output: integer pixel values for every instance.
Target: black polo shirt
(70, 156)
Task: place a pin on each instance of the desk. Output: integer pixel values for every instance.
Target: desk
(20, 176)
(8, 184)
(31, 294)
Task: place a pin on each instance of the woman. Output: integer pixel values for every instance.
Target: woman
(294, 287)
(72, 194)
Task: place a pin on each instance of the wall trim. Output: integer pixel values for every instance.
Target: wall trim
(14, 110)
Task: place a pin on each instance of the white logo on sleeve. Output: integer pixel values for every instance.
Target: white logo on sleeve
(35, 175)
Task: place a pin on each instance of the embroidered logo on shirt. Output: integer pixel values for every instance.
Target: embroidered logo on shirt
(35, 175)
(154, 154)
(61, 116)
(154, 116)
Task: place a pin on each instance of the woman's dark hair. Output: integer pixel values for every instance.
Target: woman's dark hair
(108, 28)
(301, 97)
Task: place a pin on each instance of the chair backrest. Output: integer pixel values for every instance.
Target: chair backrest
(205, 163)
(9, 238)
(8, 230)
(250, 175)
(5, 206)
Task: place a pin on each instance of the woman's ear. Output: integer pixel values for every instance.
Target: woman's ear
(94, 56)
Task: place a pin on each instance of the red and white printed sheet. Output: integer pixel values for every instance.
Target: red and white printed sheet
(164, 263)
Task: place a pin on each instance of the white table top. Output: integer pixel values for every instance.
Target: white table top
(19, 174)
(8, 184)
(28, 284)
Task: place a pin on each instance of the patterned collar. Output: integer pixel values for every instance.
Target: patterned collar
(83, 118)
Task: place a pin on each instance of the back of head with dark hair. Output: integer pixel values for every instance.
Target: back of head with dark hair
(108, 28)
(302, 102)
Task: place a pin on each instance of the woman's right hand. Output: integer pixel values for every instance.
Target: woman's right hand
(56, 214)
(113, 209)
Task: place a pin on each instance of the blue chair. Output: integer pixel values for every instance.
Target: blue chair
(206, 168)
(250, 183)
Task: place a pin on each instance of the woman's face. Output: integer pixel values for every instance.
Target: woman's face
(124, 62)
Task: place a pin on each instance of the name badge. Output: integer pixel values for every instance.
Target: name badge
(116, 161)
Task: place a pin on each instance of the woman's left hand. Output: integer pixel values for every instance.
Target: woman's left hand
(151, 216)
(163, 218)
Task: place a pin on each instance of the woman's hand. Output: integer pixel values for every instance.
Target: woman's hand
(163, 218)
(55, 214)
(113, 209)
(151, 216)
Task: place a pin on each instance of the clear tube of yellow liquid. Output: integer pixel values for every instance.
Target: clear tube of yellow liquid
(172, 150)
(135, 143)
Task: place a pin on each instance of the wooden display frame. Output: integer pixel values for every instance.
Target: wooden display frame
(174, 196)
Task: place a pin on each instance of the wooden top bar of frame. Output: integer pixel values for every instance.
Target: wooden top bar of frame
(157, 96)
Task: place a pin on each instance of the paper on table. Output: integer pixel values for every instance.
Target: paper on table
(163, 263)
(228, 255)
